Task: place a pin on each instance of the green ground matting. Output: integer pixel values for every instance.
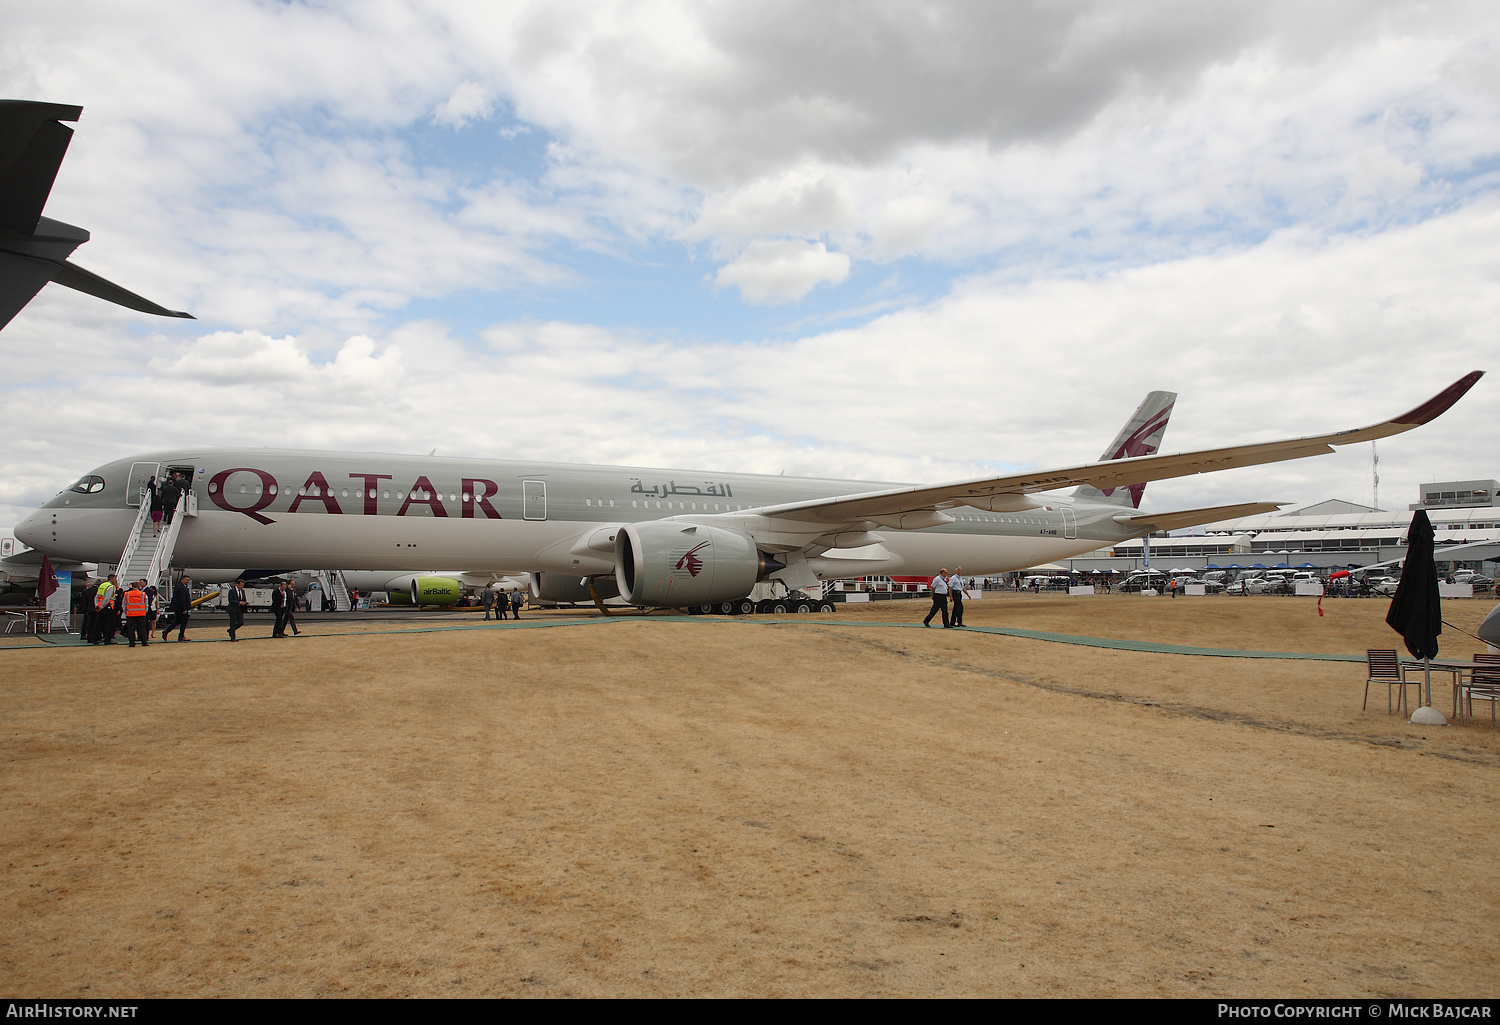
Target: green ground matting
(61, 641)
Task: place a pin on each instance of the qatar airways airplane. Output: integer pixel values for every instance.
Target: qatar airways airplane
(656, 537)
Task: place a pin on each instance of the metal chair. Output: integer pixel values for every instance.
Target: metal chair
(1386, 668)
(1484, 684)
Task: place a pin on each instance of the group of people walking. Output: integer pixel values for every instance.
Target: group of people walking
(499, 601)
(163, 498)
(283, 607)
(109, 610)
(944, 587)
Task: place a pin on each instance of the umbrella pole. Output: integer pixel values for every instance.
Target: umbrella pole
(1427, 715)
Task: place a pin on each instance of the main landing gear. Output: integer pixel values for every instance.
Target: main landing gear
(766, 607)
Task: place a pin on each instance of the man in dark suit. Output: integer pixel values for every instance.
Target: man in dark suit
(182, 607)
(291, 610)
(238, 603)
(278, 609)
(169, 492)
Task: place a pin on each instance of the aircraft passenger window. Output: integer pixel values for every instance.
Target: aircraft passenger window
(658, 505)
(588, 501)
(387, 494)
(452, 497)
(466, 496)
(301, 491)
(632, 503)
(257, 489)
(398, 494)
(273, 489)
(344, 493)
(212, 487)
(242, 489)
(611, 503)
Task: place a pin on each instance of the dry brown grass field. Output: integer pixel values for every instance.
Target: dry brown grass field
(760, 806)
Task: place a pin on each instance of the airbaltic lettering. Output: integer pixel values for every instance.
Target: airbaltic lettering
(316, 491)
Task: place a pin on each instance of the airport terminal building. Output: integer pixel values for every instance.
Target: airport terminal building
(1325, 535)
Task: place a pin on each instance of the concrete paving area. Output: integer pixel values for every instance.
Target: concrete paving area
(425, 804)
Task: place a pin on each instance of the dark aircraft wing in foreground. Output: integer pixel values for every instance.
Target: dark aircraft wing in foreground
(35, 249)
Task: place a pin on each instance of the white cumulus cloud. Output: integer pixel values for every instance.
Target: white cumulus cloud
(774, 271)
(469, 102)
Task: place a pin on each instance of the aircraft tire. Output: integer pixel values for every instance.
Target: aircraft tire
(827, 607)
(778, 608)
(746, 607)
(705, 610)
(727, 608)
(804, 608)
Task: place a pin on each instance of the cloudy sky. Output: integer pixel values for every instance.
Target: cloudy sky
(879, 240)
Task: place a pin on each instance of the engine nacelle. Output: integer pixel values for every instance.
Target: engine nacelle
(567, 589)
(674, 565)
(424, 590)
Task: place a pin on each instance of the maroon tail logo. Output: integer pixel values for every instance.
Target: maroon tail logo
(691, 562)
(1136, 445)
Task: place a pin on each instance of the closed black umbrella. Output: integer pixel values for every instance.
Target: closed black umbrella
(1415, 613)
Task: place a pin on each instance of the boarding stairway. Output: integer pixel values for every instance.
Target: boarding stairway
(147, 555)
(331, 582)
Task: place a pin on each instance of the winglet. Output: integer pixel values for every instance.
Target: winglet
(1439, 403)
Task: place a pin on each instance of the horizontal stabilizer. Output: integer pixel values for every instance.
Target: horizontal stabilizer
(1148, 522)
(74, 276)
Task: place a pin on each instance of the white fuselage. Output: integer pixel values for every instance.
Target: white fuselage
(276, 510)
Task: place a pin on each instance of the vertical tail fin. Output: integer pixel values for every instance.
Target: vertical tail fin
(1141, 436)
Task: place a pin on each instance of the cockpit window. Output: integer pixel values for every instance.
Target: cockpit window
(89, 486)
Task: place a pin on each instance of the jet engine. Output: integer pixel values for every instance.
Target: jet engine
(424, 590)
(674, 565)
(571, 590)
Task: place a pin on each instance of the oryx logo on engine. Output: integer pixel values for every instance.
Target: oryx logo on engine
(691, 562)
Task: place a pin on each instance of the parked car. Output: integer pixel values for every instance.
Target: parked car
(1250, 585)
(1141, 581)
(1480, 582)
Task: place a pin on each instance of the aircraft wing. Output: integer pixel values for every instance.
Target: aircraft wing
(68, 273)
(893, 507)
(1147, 522)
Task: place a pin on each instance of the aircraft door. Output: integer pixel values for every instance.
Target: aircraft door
(140, 473)
(534, 499)
(1070, 522)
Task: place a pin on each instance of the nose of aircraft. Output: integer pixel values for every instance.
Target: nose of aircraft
(35, 529)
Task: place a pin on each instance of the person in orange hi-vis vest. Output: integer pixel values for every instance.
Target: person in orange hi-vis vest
(135, 614)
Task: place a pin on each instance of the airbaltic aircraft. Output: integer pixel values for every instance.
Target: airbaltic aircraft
(658, 538)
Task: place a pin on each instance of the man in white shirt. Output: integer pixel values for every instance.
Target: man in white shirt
(956, 588)
(939, 598)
